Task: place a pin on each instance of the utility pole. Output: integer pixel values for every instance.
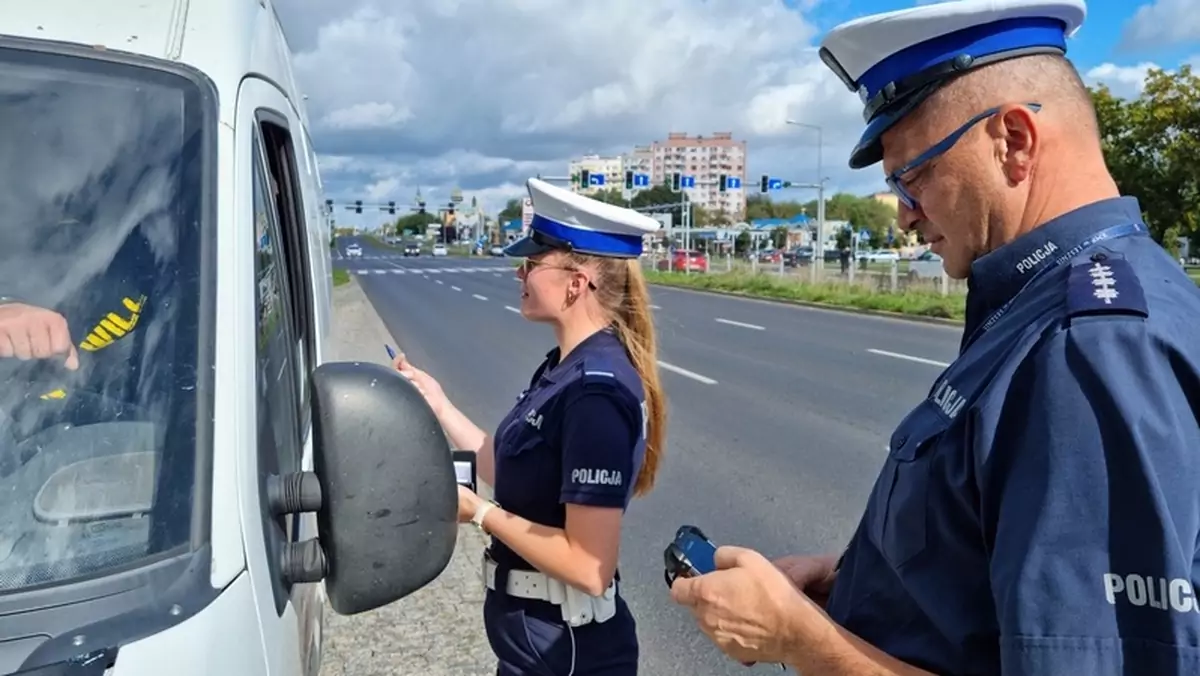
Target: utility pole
(819, 245)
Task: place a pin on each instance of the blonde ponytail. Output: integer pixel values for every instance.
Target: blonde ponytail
(621, 291)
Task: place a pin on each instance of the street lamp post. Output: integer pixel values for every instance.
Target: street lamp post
(819, 245)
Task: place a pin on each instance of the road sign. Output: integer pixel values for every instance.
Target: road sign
(526, 215)
(687, 181)
(864, 235)
(733, 182)
(641, 180)
(596, 179)
(891, 235)
(775, 184)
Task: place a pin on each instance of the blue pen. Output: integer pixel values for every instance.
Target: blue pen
(391, 352)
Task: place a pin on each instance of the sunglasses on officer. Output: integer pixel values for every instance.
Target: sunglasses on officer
(555, 244)
(897, 184)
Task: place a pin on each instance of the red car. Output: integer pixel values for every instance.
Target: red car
(685, 261)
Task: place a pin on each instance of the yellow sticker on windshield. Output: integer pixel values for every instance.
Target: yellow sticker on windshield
(114, 326)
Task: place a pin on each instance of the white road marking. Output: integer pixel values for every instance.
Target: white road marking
(456, 288)
(512, 309)
(495, 274)
(439, 281)
(909, 357)
(686, 373)
(744, 325)
(397, 272)
(475, 295)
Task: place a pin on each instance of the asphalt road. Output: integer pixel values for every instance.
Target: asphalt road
(779, 416)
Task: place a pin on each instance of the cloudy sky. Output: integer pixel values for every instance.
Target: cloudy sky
(482, 94)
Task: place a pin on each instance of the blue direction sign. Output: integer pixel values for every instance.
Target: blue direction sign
(733, 182)
(641, 180)
(595, 179)
(891, 235)
(687, 181)
(864, 235)
(775, 184)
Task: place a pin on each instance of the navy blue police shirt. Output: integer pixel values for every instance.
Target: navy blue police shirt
(1039, 512)
(575, 436)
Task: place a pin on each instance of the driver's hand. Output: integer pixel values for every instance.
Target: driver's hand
(29, 332)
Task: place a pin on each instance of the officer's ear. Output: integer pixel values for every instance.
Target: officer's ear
(580, 280)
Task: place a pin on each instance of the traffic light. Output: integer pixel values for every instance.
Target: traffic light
(721, 186)
(421, 206)
(584, 177)
(329, 205)
(392, 208)
(629, 180)
(358, 206)
(762, 186)
(675, 181)
(450, 208)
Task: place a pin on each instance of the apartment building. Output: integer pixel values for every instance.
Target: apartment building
(613, 169)
(706, 158)
(641, 161)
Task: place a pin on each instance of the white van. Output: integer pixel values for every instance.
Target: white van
(184, 501)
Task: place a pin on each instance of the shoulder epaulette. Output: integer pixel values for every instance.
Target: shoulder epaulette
(1104, 283)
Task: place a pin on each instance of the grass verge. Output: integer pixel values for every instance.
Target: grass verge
(340, 277)
(915, 303)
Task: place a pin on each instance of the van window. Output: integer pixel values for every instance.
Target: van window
(278, 426)
(288, 201)
(103, 179)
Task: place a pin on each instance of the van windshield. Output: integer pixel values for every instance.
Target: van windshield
(101, 168)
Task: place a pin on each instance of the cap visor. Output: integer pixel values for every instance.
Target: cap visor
(869, 149)
(525, 247)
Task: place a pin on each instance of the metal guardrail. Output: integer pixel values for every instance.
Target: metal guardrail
(874, 277)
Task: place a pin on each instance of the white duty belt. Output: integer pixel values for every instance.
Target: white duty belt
(577, 607)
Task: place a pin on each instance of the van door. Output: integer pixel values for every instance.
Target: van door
(274, 225)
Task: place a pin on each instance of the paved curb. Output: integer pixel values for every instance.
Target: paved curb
(821, 306)
(438, 630)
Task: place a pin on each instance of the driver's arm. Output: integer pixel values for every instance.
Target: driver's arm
(31, 332)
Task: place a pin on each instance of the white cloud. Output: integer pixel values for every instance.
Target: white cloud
(482, 94)
(1127, 81)
(1162, 23)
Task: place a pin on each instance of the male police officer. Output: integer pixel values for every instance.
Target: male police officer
(1039, 512)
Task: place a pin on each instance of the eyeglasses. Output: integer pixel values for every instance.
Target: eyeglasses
(529, 265)
(896, 184)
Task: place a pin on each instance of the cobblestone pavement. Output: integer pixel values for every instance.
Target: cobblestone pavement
(438, 630)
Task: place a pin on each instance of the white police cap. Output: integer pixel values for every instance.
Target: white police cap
(895, 60)
(566, 221)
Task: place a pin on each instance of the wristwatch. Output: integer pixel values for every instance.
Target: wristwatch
(481, 511)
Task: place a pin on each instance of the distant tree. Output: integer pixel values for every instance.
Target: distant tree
(1152, 147)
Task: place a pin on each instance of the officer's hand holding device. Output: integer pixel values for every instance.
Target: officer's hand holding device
(691, 554)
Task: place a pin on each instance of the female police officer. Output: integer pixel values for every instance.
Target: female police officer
(584, 438)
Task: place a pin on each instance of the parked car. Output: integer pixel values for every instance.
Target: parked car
(928, 265)
(412, 249)
(497, 250)
(878, 256)
(439, 250)
(684, 261)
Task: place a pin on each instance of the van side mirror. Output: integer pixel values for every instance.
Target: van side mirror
(388, 519)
